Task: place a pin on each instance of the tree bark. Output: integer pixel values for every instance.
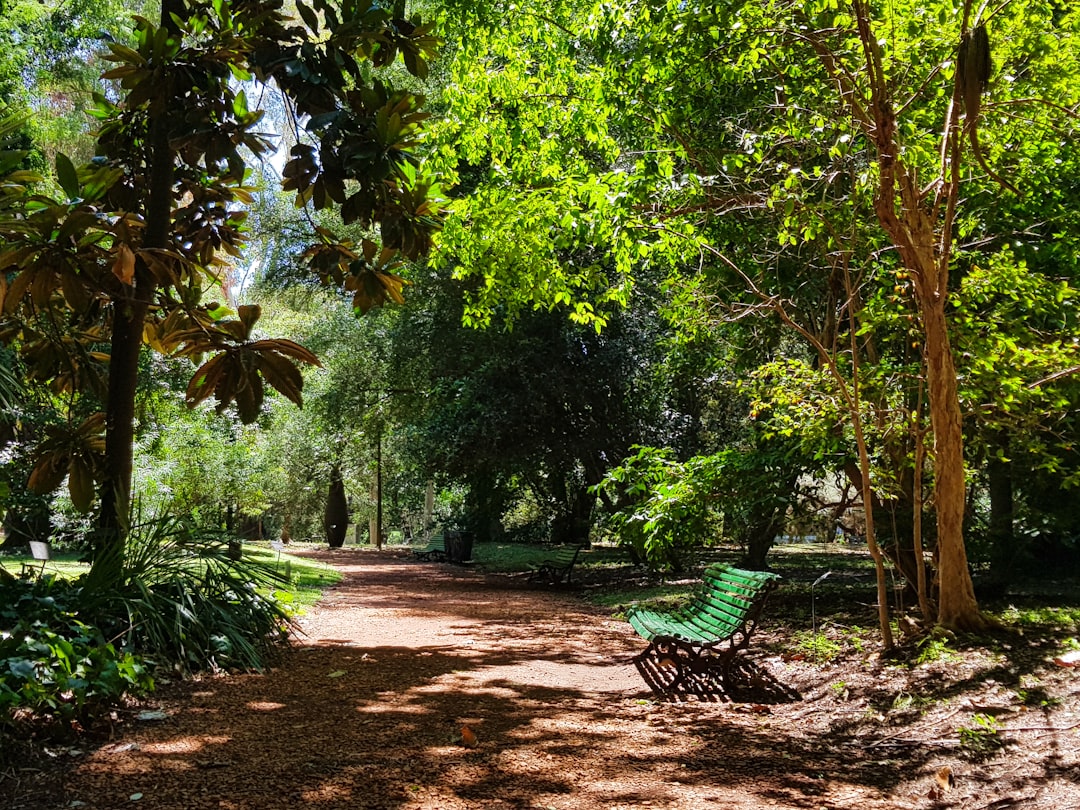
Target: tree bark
(760, 537)
(129, 319)
(957, 606)
(922, 232)
(923, 241)
(113, 521)
(914, 234)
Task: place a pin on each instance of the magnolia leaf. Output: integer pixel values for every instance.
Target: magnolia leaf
(248, 314)
(75, 293)
(237, 330)
(92, 426)
(17, 290)
(225, 390)
(81, 485)
(205, 380)
(249, 397)
(286, 347)
(375, 288)
(124, 265)
(122, 53)
(282, 375)
(48, 472)
(67, 175)
(310, 18)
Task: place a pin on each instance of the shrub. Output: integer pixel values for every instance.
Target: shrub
(54, 666)
(181, 600)
(178, 600)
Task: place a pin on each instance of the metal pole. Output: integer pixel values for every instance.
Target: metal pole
(378, 491)
(813, 605)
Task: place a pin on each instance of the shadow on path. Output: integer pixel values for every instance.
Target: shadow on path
(365, 712)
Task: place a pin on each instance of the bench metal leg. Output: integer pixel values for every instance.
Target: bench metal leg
(667, 664)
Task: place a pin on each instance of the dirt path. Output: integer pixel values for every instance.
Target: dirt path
(399, 655)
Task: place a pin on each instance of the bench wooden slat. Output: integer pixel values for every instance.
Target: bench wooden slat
(752, 580)
(677, 630)
(691, 626)
(434, 550)
(735, 588)
(558, 568)
(720, 608)
(737, 600)
(711, 626)
(706, 634)
(720, 624)
(738, 596)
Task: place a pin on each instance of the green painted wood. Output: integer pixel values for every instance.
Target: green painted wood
(557, 568)
(436, 547)
(718, 610)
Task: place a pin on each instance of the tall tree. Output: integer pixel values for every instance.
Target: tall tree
(781, 145)
(127, 250)
(545, 408)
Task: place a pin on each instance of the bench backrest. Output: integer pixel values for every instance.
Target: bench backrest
(566, 555)
(729, 597)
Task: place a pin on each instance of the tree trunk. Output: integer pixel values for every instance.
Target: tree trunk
(766, 524)
(573, 524)
(336, 516)
(899, 208)
(759, 540)
(129, 319)
(113, 520)
(957, 606)
(914, 235)
(922, 234)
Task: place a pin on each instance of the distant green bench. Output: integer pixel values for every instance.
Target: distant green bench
(704, 637)
(557, 569)
(434, 551)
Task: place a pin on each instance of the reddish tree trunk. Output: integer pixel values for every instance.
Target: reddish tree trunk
(957, 606)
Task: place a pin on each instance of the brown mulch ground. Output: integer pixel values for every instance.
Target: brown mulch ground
(366, 711)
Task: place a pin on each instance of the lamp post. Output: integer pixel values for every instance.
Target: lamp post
(378, 490)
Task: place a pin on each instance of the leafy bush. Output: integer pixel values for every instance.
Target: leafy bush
(176, 599)
(53, 666)
(180, 599)
(817, 647)
(982, 738)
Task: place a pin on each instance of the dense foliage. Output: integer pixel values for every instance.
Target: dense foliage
(706, 273)
(824, 167)
(54, 664)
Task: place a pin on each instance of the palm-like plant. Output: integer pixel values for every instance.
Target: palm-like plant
(182, 601)
(10, 385)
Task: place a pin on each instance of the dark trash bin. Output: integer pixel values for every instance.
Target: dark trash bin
(458, 546)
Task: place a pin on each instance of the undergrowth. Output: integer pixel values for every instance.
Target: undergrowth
(73, 647)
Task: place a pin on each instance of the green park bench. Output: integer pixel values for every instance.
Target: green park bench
(435, 550)
(557, 569)
(704, 637)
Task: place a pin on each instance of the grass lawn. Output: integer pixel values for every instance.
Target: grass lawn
(62, 564)
(307, 578)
